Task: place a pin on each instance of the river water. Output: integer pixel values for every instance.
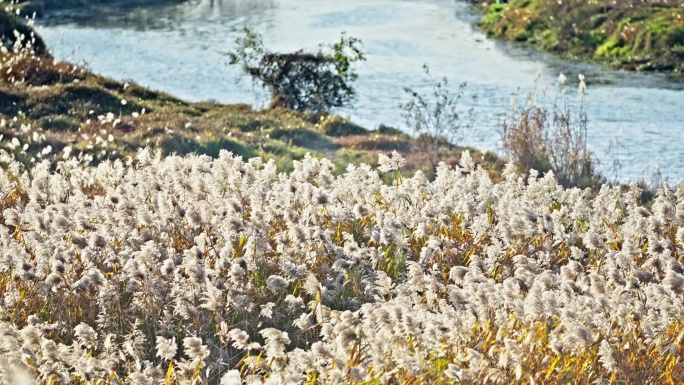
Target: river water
(635, 119)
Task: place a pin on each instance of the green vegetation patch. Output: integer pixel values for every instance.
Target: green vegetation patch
(629, 35)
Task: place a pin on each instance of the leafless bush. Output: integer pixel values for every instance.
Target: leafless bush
(551, 138)
(437, 118)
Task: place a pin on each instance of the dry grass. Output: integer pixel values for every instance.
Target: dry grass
(550, 138)
(487, 343)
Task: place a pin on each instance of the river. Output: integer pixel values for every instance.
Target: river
(178, 48)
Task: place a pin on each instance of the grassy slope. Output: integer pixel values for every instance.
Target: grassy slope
(635, 35)
(61, 104)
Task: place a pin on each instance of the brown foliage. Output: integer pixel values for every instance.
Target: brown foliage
(555, 139)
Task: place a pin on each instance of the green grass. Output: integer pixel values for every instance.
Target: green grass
(629, 35)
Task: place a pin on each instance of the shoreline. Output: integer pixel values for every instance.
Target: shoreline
(646, 38)
(96, 119)
(182, 127)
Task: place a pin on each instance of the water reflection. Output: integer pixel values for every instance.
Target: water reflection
(165, 16)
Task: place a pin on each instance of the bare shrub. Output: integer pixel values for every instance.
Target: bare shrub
(551, 138)
(436, 118)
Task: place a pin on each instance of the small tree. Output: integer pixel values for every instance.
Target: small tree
(436, 118)
(302, 81)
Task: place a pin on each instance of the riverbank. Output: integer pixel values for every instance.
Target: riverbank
(641, 35)
(55, 110)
